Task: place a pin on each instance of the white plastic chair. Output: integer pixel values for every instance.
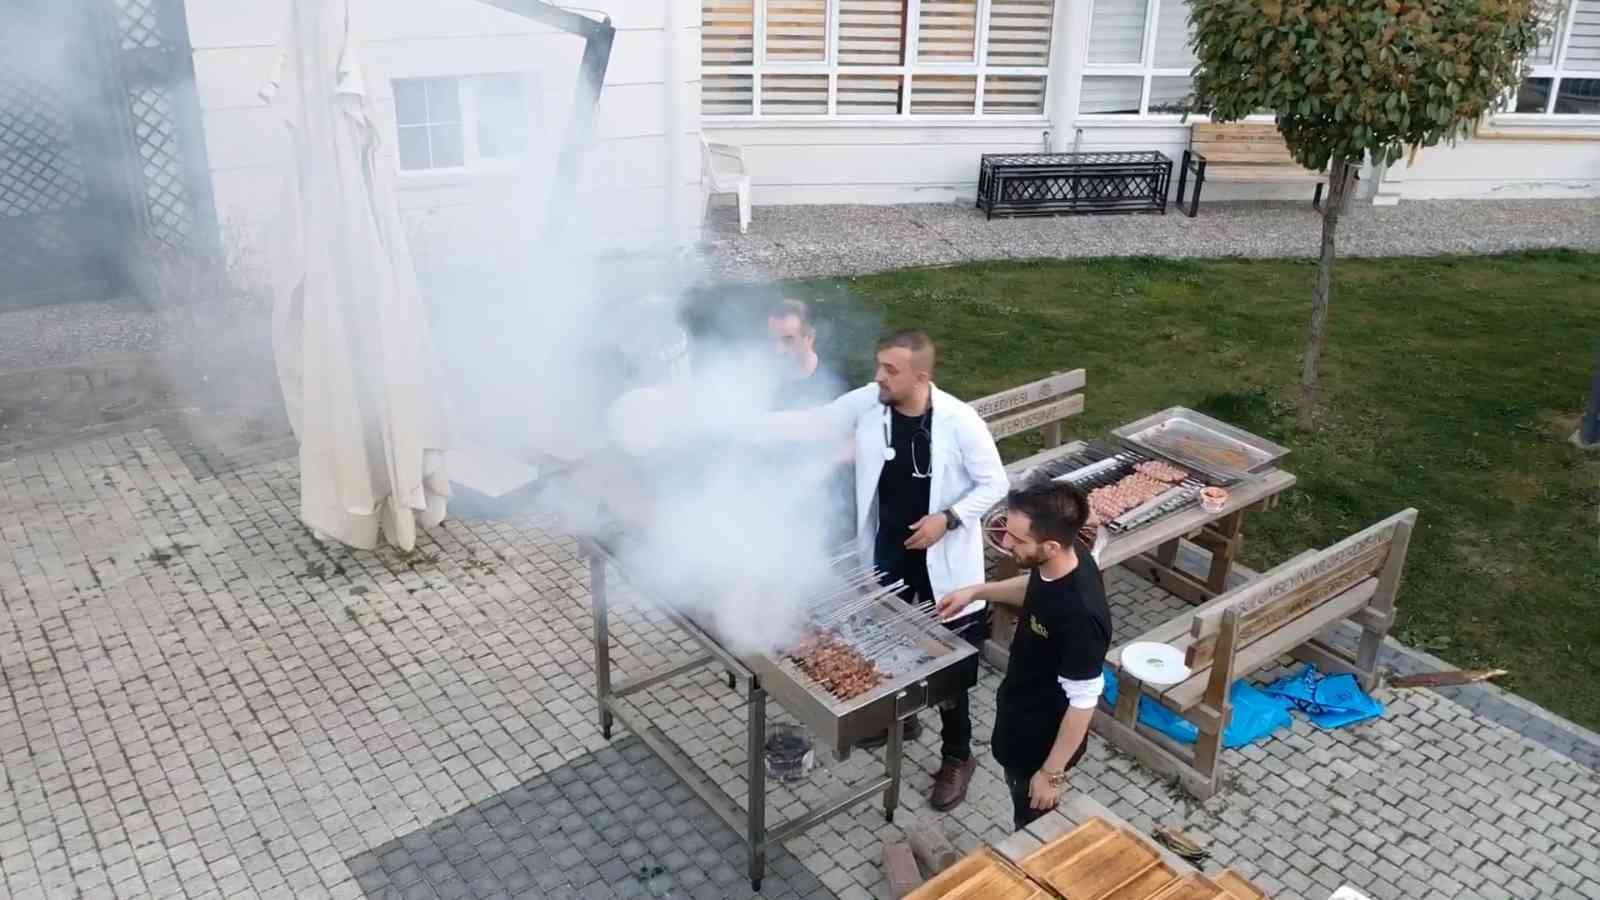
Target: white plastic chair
(722, 172)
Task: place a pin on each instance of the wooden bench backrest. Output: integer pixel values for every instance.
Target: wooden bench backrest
(1268, 604)
(1042, 405)
(1237, 142)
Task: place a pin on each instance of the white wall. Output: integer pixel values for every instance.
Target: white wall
(846, 162)
(625, 187)
(1513, 167)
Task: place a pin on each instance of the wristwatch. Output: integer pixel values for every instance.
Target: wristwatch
(951, 520)
(1056, 779)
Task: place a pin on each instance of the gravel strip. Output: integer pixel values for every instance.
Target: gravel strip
(821, 241)
(39, 336)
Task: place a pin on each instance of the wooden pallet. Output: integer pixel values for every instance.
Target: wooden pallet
(1100, 861)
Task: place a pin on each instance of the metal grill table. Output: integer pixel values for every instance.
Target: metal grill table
(1033, 184)
(932, 676)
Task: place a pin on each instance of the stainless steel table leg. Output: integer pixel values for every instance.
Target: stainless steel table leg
(757, 775)
(892, 753)
(602, 642)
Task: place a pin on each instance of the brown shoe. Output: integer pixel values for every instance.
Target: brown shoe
(950, 783)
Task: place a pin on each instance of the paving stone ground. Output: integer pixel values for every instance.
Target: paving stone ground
(201, 700)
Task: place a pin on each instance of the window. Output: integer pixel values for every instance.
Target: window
(455, 123)
(852, 58)
(1140, 59)
(1565, 74)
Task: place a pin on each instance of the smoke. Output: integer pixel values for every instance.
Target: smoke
(589, 340)
(611, 357)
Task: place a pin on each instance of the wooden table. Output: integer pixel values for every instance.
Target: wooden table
(1156, 550)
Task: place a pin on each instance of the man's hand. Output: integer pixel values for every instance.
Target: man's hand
(1042, 795)
(957, 600)
(926, 531)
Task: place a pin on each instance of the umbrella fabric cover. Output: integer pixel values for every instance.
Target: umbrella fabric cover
(351, 337)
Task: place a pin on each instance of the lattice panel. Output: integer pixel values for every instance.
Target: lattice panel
(139, 25)
(166, 192)
(40, 171)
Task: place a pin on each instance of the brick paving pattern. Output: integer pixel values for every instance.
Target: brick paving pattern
(200, 699)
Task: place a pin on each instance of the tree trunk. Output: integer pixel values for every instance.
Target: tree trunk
(1310, 379)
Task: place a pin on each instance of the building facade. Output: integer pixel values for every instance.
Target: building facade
(831, 101)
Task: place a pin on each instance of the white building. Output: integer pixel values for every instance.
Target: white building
(833, 101)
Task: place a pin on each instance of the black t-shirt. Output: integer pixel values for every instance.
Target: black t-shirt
(1063, 631)
(822, 386)
(838, 498)
(902, 496)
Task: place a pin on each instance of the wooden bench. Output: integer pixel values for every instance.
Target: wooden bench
(1249, 627)
(1240, 152)
(1042, 406)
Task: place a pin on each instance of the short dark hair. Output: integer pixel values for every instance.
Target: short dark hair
(1055, 509)
(914, 339)
(800, 309)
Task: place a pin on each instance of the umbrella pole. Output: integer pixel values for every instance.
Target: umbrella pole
(598, 37)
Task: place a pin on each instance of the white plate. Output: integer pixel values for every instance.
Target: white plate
(1153, 663)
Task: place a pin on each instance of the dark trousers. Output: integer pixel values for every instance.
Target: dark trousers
(1022, 811)
(955, 715)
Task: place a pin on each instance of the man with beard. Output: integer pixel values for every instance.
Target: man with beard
(926, 470)
(1053, 679)
(805, 381)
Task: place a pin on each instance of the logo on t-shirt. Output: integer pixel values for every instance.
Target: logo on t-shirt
(1038, 629)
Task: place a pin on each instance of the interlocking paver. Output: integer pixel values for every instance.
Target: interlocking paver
(232, 704)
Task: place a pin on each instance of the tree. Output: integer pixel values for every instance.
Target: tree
(1355, 79)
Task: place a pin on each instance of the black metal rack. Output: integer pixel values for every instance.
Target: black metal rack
(1032, 184)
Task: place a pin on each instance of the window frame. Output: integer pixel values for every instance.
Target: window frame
(1556, 71)
(472, 159)
(978, 68)
(1145, 69)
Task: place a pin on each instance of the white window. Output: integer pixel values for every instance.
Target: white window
(853, 58)
(460, 123)
(1140, 59)
(1565, 74)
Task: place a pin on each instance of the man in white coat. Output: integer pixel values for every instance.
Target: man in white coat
(926, 470)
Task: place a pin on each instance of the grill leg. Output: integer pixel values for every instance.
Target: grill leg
(602, 642)
(757, 776)
(891, 762)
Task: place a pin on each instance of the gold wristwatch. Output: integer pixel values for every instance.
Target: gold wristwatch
(1056, 779)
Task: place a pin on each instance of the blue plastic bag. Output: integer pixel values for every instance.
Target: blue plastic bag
(1255, 715)
(1328, 700)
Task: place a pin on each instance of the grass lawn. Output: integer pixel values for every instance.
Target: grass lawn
(1451, 385)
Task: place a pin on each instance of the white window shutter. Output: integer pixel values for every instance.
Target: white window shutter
(727, 32)
(1019, 32)
(797, 30)
(1583, 45)
(947, 32)
(727, 94)
(794, 95)
(1116, 32)
(1173, 50)
(872, 32)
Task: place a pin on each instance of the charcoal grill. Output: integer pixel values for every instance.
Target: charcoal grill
(1097, 465)
(917, 657)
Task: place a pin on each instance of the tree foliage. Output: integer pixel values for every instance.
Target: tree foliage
(1352, 78)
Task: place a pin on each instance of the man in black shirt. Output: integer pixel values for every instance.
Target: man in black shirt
(806, 382)
(1053, 681)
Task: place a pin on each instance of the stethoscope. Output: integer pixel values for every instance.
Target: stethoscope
(922, 428)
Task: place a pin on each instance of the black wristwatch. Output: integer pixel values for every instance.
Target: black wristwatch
(951, 520)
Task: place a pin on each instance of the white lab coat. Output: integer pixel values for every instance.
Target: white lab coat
(967, 476)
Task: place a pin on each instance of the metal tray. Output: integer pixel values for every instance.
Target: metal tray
(1195, 440)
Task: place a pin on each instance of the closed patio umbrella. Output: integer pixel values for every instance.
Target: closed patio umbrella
(351, 337)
